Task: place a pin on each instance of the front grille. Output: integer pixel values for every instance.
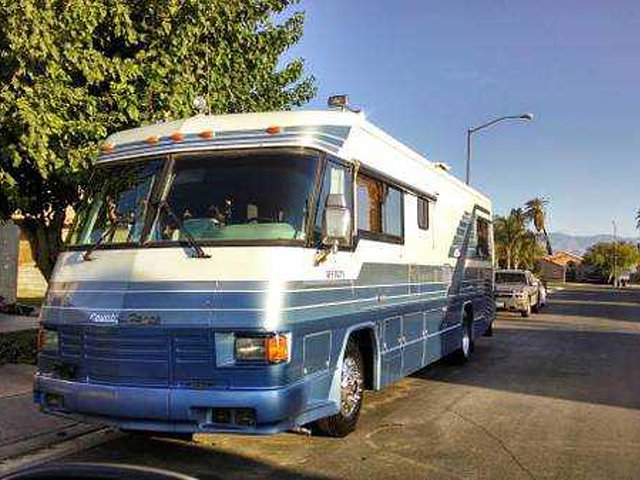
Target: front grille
(127, 356)
(138, 356)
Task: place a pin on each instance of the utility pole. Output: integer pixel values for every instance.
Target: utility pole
(615, 254)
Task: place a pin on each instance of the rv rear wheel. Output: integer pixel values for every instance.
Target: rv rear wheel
(489, 331)
(462, 354)
(351, 392)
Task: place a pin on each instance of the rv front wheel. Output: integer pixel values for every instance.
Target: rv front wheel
(351, 392)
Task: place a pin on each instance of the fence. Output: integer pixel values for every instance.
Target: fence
(9, 245)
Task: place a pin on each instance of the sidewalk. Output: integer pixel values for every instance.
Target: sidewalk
(15, 323)
(23, 429)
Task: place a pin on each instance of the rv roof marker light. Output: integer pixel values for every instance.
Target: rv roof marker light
(108, 148)
(151, 140)
(177, 137)
(273, 130)
(207, 134)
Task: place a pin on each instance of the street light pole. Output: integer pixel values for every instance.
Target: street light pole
(468, 177)
(470, 131)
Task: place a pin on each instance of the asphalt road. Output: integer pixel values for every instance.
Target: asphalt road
(553, 396)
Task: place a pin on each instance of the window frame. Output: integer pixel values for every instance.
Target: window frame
(161, 189)
(488, 224)
(379, 236)
(426, 202)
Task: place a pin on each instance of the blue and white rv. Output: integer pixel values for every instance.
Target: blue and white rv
(256, 273)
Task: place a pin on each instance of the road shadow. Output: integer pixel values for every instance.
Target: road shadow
(582, 347)
(200, 461)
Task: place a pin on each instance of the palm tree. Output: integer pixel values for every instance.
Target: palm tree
(508, 232)
(638, 219)
(535, 211)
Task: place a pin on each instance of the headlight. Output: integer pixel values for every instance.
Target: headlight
(519, 294)
(48, 340)
(272, 348)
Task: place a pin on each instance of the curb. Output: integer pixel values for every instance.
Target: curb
(55, 451)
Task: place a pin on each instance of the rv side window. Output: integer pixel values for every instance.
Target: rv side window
(482, 232)
(423, 213)
(379, 209)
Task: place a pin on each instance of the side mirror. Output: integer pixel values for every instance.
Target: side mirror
(336, 225)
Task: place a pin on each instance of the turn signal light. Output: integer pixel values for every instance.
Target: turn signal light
(207, 134)
(277, 349)
(272, 130)
(152, 140)
(177, 137)
(47, 340)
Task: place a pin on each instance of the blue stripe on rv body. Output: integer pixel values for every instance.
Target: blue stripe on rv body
(248, 297)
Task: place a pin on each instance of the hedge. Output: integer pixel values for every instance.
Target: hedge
(18, 347)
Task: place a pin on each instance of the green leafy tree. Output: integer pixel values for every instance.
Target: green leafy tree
(536, 212)
(73, 72)
(600, 258)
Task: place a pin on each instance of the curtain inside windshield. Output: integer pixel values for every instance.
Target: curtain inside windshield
(229, 196)
(119, 208)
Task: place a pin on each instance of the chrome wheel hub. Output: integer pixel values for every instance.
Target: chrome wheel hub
(351, 386)
(466, 342)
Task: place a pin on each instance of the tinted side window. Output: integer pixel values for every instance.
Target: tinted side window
(392, 212)
(379, 207)
(482, 233)
(423, 213)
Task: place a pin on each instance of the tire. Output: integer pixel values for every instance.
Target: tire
(462, 354)
(489, 331)
(526, 312)
(352, 388)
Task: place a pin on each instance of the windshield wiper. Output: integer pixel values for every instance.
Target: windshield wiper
(123, 220)
(200, 253)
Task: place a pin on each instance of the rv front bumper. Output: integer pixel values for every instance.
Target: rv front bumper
(178, 410)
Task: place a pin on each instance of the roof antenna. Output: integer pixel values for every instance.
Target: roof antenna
(341, 102)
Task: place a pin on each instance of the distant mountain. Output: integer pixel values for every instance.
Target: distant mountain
(579, 244)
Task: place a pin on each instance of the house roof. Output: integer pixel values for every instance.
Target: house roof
(562, 258)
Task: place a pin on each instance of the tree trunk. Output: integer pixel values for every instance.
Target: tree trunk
(45, 239)
(546, 239)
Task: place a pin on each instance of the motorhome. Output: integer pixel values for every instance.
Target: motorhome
(257, 273)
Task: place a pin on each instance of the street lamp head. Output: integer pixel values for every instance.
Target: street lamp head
(527, 116)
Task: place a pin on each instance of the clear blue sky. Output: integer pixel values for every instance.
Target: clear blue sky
(426, 70)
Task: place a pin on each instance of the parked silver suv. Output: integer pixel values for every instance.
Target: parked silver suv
(517, 290)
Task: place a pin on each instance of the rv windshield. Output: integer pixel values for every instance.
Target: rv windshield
(118, 210)
(239, 196)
